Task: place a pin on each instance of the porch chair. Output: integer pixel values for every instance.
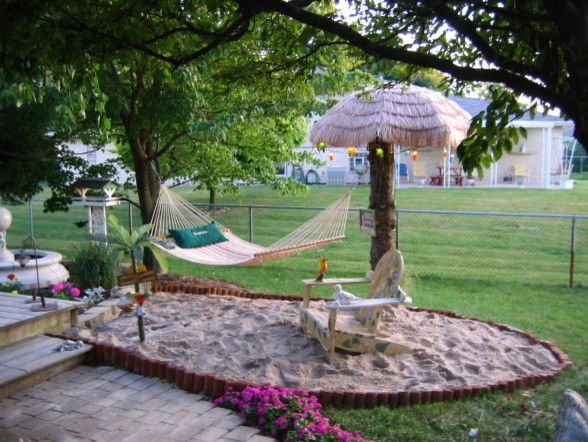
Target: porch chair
(520, 174)
(403, 171)
(356, 329)
(419, 172)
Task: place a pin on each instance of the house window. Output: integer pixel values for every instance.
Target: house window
(281, 169)
(360, 161)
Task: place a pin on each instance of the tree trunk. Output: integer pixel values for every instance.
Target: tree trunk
(147, 189)
(382, 198)
(211, 198)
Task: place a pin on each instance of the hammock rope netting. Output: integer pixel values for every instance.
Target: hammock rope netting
(174, 212)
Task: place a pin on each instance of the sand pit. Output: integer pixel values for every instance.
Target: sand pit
(259, 341)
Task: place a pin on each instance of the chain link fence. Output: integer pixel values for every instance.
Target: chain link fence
(481, 248)
(470, 246)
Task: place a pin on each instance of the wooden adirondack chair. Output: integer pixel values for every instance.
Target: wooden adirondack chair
(357, 331)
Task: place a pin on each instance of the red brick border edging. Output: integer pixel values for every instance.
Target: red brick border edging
(214, 386)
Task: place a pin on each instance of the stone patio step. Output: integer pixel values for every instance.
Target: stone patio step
(33, 360)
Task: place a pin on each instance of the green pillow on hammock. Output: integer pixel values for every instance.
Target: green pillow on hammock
(197, 236)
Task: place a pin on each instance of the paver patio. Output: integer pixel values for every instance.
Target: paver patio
(107, 404)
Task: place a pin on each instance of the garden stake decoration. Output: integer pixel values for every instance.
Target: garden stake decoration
(323, 265)
(139, 298)
(24, 257)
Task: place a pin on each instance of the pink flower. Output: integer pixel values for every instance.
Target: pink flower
(75, 291)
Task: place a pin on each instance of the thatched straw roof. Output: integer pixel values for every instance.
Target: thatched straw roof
(409, 116)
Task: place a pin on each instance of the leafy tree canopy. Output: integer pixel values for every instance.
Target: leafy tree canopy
(33, 149)
(239, 93)
(537, 48)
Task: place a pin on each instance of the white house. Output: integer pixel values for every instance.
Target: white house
(541, 159)
(98, 156)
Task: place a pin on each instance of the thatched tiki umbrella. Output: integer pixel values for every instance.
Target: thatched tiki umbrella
(408, 116)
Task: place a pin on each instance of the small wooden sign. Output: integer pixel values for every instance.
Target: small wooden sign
(136, 278)
(367, 221)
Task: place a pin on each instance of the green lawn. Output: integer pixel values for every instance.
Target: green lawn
(508, 270)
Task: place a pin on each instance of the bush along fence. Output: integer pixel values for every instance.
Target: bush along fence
(215, 386)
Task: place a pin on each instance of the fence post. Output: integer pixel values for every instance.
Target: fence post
(572, 253)
(130, 217)
(250, 223)
(31, 217)
(397, 224)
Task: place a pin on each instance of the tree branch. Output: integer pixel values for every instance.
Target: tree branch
(167, 146)
(354, 38)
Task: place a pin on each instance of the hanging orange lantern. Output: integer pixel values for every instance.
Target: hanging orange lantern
(444, 152)
(414, 155)
(352, 151)
(331, 156)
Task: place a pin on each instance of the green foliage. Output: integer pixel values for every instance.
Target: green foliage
(132, 243)
(393, 71)
(232, 113)
(31, 154)
(490, 134)
(94, 264)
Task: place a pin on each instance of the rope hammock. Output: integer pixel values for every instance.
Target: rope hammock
(174, 212)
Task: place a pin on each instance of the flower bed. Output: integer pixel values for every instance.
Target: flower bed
(11, 285)
(286, 414)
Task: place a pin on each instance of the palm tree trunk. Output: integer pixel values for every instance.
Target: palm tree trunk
(381, 158)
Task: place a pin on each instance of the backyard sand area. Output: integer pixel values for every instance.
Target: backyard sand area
(260, 342)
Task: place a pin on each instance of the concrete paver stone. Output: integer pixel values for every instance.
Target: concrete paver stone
(105, 404)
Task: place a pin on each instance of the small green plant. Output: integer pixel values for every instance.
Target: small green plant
(132, 243)
(94, 264)
(11, 285)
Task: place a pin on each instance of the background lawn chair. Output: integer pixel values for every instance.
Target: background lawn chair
(520, 174)
(403, 171)
(419, 173)
(357, 331)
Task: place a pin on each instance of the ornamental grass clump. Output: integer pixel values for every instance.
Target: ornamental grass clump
(287, 414)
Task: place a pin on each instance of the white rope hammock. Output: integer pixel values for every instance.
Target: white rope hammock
(174, 212)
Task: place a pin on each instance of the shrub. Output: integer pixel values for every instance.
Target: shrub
(286, 414)
(94, 264)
